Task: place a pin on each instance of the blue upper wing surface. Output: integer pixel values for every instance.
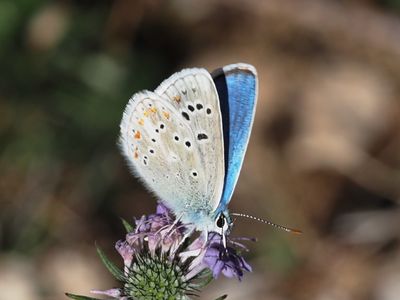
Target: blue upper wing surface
(237, 87)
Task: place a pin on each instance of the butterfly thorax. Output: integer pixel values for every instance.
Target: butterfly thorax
(207, 220)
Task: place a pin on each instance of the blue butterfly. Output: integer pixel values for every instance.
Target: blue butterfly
(187, 140)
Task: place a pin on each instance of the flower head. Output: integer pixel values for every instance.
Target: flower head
(161, 262)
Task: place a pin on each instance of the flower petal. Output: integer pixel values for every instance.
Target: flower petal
(226, 260)
(162, 209)
(115, 293)
(217, 268)
(126, 251)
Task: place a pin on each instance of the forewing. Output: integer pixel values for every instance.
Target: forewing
(177, 151)
(193, 94)
(237, 87)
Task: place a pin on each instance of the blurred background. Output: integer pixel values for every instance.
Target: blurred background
(324, 155)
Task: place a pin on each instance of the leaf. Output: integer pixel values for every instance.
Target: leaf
(127, 225)
(78, 297)
(204, 279)
(114, 270)
(222, 297)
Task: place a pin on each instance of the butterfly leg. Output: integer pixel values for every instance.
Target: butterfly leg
(173, 227)
(197, 247)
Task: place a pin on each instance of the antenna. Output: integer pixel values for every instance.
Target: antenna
(287, 229)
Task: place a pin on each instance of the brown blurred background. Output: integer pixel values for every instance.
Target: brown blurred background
(324, 154)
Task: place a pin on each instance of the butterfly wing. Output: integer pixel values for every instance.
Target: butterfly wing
(237, 87)
(172, 138)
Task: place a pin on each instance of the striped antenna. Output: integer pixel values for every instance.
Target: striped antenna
(287, 229)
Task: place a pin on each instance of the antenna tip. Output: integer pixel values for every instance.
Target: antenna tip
(296, 231)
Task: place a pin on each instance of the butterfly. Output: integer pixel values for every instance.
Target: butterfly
(187, 140)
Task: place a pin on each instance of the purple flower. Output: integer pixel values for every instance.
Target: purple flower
(161, 261)
(226, 260)
(153, 263)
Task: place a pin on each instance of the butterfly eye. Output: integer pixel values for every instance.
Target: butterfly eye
(221, 221)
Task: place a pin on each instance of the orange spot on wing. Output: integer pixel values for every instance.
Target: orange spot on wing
(177, 98)
(150, 111)
(141, 122)
(135, 155)
(137, 135)
(166, 115)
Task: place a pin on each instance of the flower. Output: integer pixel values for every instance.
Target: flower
(162, 262)
(226, 260)
(152, 267)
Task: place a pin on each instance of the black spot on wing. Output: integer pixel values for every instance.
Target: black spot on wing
(202, 136)
(185, 115)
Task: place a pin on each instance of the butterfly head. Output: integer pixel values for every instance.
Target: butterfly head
(223, 223)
